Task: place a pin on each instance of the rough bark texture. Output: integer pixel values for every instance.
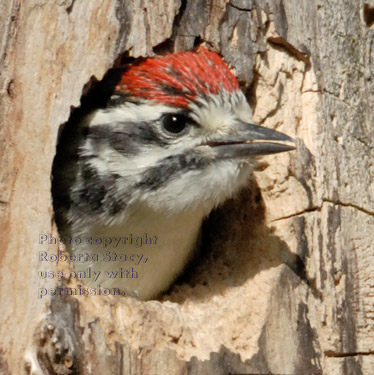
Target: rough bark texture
(286, 285)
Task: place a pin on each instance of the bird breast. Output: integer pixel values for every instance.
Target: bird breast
(154, 249)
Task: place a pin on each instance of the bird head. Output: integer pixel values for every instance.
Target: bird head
(175, 135)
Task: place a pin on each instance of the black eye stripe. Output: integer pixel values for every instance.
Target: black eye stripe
(127, 138)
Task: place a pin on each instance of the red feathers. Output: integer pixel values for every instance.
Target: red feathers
(178, 78)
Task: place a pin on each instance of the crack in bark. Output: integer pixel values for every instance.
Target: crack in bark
(363, 142)
(147, 28)
(293, 51)
(351, 205)
(307, 210)
(319, 208)
(178, 18)
(239, 8)
(337, 96)
(332, 354)
(69, 9)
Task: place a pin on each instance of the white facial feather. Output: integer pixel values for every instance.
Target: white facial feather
(128, 112)
(200, 191)
(217, 114)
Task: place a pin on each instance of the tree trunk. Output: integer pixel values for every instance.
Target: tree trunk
(285, 285)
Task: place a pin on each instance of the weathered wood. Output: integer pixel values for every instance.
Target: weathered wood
(286, 282)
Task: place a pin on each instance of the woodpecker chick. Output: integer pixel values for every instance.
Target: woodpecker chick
(173, 141)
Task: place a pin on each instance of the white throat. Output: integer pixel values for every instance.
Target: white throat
(146, 268)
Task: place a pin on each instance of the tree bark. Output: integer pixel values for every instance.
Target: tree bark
(285, 284)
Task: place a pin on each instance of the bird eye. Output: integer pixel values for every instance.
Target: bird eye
(175, 123)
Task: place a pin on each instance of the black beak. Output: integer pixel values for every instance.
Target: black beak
(251, 140)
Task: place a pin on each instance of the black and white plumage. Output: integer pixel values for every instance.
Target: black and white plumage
(173, 141)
